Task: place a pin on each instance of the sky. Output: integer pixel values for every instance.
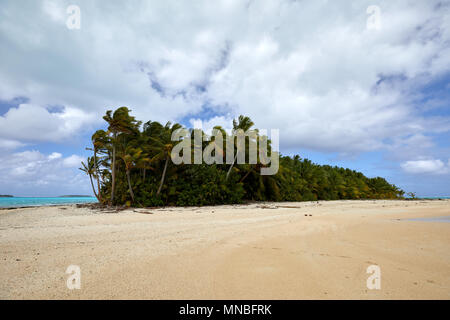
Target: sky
(359, 84)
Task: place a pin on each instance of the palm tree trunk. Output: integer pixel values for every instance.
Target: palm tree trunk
(98, 175)
(245, 176)
(231, 167)
(163, 176)
(93, 189)
(113, 172)
(129, 185)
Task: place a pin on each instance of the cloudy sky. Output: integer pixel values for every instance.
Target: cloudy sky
(364, 89)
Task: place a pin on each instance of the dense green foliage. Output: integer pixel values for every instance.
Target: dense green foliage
(131, 165)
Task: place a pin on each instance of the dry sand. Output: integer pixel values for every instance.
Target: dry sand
(303, 250)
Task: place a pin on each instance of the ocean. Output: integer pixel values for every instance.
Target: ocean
(442, 197)
(12, 202)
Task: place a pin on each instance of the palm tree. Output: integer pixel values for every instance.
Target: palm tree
(144, 162)
(243, 123)
(215, 144)
(130, 156)
(163, 145)
(99, 141)
(90, 170)
(119, 121)
(150, 149)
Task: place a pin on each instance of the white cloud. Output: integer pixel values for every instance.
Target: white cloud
(7, 144)
(73, 161)
(54, 10)
(34, 123)
(309, 68)
(54, 155)
(207, 126)
(430, 166)
(31, 172)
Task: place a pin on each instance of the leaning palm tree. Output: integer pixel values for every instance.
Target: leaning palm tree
(119, 122)
(163, 145)
(100, 141)
(90, 170)
(243, 123)
(130, 156)
(216, 143)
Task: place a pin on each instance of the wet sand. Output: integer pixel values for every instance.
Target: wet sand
(304, 250)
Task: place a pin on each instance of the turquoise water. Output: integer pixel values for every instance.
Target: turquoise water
(443, 197)
(41, 201)
(432, 219)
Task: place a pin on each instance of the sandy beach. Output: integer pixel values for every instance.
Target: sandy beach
(308, 250)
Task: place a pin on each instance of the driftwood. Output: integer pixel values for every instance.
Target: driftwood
(143, 212)
(267, 207)
(101, 208)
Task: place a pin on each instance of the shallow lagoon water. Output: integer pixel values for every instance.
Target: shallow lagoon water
(14, 202)
(432, 219)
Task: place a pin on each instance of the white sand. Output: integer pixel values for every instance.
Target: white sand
(258, 251)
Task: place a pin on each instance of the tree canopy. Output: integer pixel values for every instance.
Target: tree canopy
(132, 166)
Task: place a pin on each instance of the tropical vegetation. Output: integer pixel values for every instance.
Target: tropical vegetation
(131, 165)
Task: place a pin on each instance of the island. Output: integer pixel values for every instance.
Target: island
(6, 196)
(75, 196)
